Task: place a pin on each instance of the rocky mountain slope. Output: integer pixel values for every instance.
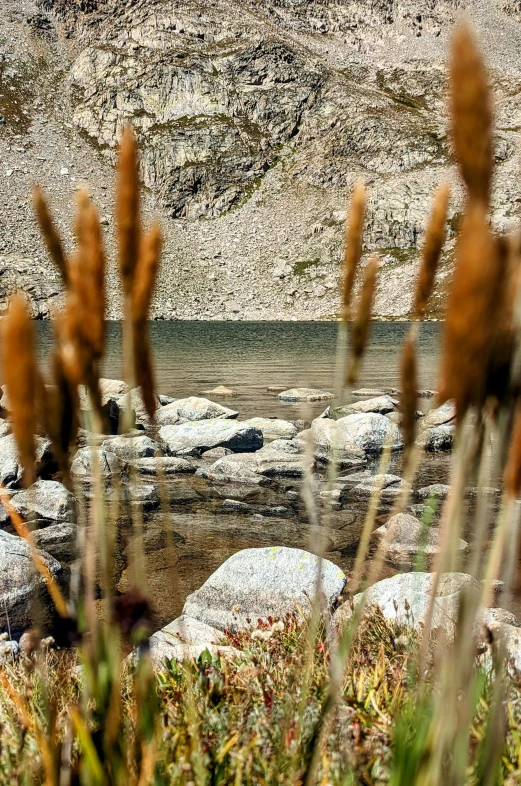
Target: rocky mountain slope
(254, 118)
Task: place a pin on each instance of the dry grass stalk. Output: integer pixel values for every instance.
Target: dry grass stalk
(512, 474)
(142, 292)
(361, 327)
(433, 244)
(471, 319)
(353, 244)
(20, 375)
(127, 208)
(409, 396)
(50, 233)
(471, 114)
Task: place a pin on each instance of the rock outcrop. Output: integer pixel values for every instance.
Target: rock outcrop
(259, 116)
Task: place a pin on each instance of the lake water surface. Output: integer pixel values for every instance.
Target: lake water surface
(192, 357)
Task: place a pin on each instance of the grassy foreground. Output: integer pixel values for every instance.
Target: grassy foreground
(242, 721)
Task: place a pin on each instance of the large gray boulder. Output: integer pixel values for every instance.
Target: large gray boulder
(438, 428)
(371, 432)
(109, 464)
(198, 436)
(22, 588)
(185, 639)
(389, 487)
(281, 458)
(295, 395)
(406, 597)
(10, 468)
(439, 416)
(130, 448)
(260, 583)
(330, 440)
(192, 408)
(138, 414)
(408, 538)
(274, 428)
(58, 540)
(46, 501)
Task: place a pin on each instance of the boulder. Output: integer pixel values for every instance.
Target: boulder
(354, 436)
(329, 438)
(221, 390)
(185, 639)
(235, 468)
(440, 415)
(10, 468)
(274, 428)
(263, 583)
(22, 587)
(383, 405)
(406, 596)
(162, 465)
(437, 438)
(164, 400)
(109, 464)
(304, 394)
(201, 435)
(192, 408)
(111, 391)
(435, 490)
(215, 453)
(46, 501)
(58, 540)
(131, 448)
(251, 468)
(409, 538)
(139, 415)
(391, 486)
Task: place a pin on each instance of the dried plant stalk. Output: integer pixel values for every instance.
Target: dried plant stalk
(20, 374)
(361, 327)
(409, 396)
(50, 233)
(127, 209)
(353, 244)
(512, 474)
(145, 279)
(91, 288)
(434, 240)
(471, 323)
(471, 114)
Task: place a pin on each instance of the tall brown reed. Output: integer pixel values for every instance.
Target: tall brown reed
(471, 318)
(50, 233)
(353, 244)
(20, 374)
(409, 396)
(431, 251)
(362, 324)
(471, 114)
(127, 209)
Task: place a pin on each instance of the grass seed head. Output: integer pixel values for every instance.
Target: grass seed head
(409, 396)
(431, 251)
(353, 243)
(471, 114)
(471, 319)
(127, 209)
(20, 375)
(362, 325)
(50, 233)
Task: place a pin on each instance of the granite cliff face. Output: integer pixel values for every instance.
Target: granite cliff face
(254, 118)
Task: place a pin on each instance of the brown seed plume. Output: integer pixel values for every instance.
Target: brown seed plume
(353, 244)
(471, 320)
(409, 396)
(20, 375)
(431, 251)
(127, 209)
(50, 233)
(142, 292)
(362, 324)
(91, 262)
(471, 114)
(512, 475)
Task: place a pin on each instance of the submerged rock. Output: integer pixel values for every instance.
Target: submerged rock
(192, 408)
(202, 435)
(390, 486)
(304, 394)
(261, 583)
(185, 639)
(163, 465)
(408, 538)
(221, 390)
